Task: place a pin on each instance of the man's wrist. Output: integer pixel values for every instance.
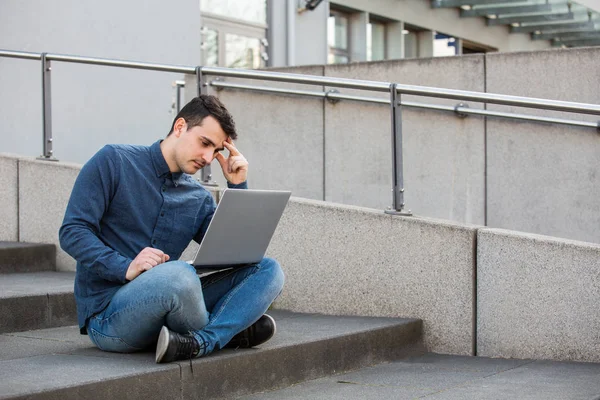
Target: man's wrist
(243, 185)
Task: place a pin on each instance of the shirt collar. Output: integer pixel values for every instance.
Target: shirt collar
(160, 164)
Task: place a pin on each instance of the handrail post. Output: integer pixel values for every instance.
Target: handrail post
(47, 154)
(397, 172)
(206, 173)
(178, 86)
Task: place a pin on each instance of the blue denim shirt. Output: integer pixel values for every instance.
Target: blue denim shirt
(125, 199)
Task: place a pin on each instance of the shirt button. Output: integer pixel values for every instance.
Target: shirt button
(164, 188)
(162, 214)
(154, 242)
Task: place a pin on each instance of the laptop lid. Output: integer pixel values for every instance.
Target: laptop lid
(241, 228)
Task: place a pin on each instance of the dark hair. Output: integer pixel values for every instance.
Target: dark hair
(203, 106)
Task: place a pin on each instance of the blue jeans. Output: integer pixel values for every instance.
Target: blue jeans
(213, 308)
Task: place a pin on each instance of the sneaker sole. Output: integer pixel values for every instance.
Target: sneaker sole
(163, 344)
(274, 328)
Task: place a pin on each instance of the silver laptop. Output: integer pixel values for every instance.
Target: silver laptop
(241, 229)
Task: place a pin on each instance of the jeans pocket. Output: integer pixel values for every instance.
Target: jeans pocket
(110, 343)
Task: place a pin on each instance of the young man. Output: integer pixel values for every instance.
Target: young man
(132, 212)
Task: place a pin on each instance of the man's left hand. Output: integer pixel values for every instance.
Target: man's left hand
(235, 167)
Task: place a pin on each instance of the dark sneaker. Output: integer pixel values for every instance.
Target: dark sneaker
(258, 333)
(173, 346)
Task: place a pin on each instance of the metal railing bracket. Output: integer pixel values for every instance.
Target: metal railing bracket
(331, 99)
(458, 112)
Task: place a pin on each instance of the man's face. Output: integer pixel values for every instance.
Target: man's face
(196, 147)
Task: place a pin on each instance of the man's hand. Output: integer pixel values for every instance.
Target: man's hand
(235, 167)
(147, 259)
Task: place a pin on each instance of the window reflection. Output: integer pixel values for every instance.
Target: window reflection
(375, 41)
(211, 48)
(337, 38)
(247, 10)
(242, 51)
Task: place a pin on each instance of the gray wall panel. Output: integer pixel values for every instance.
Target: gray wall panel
(537, 297)
(545, 178)
(280, 135)
(44, 191)
(92, 105)
(9, 212)
(345, 260)
(444, 155)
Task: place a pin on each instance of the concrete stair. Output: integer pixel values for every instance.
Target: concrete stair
(43, 356)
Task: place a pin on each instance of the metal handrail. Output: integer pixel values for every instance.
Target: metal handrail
(394, 89)
(426, 91)
(184, 69)
(460, 109)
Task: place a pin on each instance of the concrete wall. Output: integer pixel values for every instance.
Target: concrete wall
(444, 156)
(44, 191)
(281, 136)
(9, 212)
(545, 178)
(354, 261)
(92, 105)
(537, 297)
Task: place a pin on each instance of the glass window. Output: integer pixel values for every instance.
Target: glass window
(242, 51)
(337, 38)
(375, 41)
(210, 48)
(247, 10)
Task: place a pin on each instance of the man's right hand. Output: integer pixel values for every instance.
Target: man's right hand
(147, 259)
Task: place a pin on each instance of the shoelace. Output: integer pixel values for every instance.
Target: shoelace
(189, 344)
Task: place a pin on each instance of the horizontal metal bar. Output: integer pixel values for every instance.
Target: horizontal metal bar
(530, 18)
(573, 37)
(297, 78)
(551, 27)
(580, 43)
(531, 102)
(561, 121)
(462, 110)
(480, 12)
(458, 95)
(340, 96)
(445, 93)
(221, 84)
(20, 54)
(563, 33)
(123, 64)
(458, 3)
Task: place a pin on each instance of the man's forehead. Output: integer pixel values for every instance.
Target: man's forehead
(218, 145)
(211, 132)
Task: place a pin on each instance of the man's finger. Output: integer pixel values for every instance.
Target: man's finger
(221, 159)
(147, 266)
(154, 250)
(237, 164)
(231, 148)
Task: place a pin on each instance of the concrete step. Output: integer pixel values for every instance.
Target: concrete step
(26, 257)
(36, 300)
(437, 376)
(59, 363)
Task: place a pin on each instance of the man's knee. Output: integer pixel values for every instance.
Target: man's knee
(274, 271)
(177, 277)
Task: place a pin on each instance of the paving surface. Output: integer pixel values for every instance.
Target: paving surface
(444, 377)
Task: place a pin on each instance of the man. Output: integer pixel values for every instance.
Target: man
(132, 212)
